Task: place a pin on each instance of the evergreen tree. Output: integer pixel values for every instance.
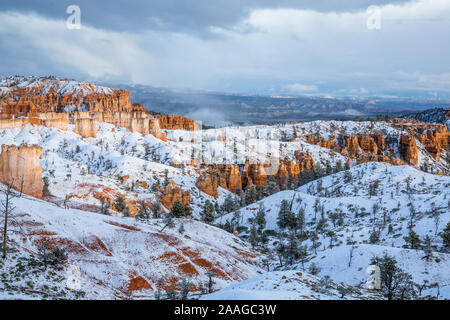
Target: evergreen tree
(252, 194)
(208, 212)
(217, 208)
(119, 204)
(412, 239)
(374, 237)
(178, 209)
(314, 237)
(272, 186)
(292, 250)
(445, 235)
(284, 214)
(228, 204)
(166, 178)
(395, 283)
(260, 218)
(428, 249)
(253, 236)
(301, 219)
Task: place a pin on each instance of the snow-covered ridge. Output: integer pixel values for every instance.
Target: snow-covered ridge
(44, 85)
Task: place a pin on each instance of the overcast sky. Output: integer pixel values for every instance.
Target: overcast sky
(294, 47)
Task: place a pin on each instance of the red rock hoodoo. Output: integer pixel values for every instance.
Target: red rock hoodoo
(173, 193)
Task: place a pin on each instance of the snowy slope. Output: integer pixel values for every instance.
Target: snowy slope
(113, 252)
(350, 200)
(287, 285)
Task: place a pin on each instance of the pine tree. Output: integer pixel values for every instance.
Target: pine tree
(314, 269)
(412, 239)
(428, 249)
(252, 194)
(119, 204)
(395, 283)
(284, 214)
(374, 237)
(260, 218)
(208, 212)
(178, 209)
(292, 252)
(445, 235)
(253, 236)
(272, 186)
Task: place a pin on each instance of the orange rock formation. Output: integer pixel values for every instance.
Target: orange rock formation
(172, 122)
(20, 166)
(408, 149)
(87, 128)
(173, 193)
(208, 184)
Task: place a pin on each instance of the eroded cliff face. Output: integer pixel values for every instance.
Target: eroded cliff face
(362, 147)
(408, 149)
(20, 166)
(50, 101)
(86, 127)
(233, 177)
(173, 193)
(171, 122)
(23, 95)
(208, 184)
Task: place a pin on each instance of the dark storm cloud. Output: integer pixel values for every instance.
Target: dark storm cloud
(193, 16)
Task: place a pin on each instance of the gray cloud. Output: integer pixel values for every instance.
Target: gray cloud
(241, 46)
(194, 16)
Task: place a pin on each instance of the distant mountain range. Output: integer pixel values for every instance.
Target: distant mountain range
(216, 108)
(437, 115)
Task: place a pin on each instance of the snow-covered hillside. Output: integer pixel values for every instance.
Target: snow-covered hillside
(290, 285)
(355, 203)
(118, 257)
(359, 213)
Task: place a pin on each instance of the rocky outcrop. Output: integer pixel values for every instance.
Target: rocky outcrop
(20, 167)
(305, 161)
(408, 149)
(381, 142)
(435, 140)
(208, 184)
(320, 141)
(23, 95)
(232, 176)
(48, 102)
(368, 144)
(155, 130)
(173, 193)
(22, 122)
(171, 122)
(86, 128)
